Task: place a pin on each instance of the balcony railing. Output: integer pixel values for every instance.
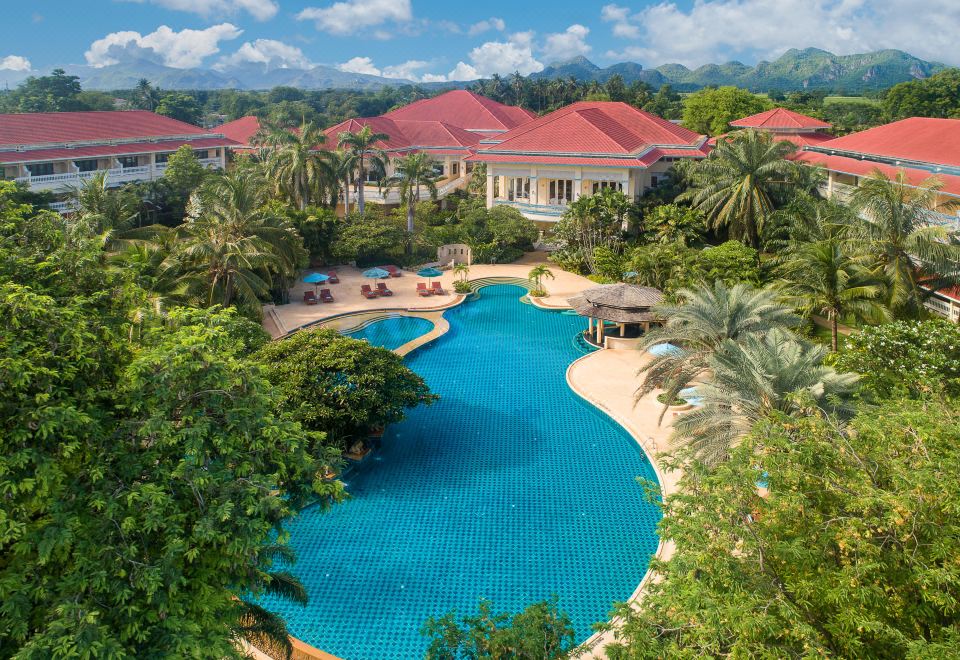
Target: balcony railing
(115, 176)
(372, 194)
(552, 210)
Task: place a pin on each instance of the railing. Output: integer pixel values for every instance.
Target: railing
(393, 196)
(552, 210)
(63, 207)
(115, 175)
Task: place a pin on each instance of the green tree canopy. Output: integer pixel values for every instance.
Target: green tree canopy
(178, 105)
(851, 554)
(936, 96)
(710, 111)
(339, 385)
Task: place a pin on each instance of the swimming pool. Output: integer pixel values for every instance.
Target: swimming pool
(510, 488)
(393, 331)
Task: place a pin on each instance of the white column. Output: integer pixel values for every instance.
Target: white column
(577, 184)
(489, 189)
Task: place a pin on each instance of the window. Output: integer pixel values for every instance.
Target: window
(496, 187)
(202, 155)
(518, 188)
(88, 165)
(654, 182)
(600, 185)
(162, 158)
(561, 191)
(455, 168)
(128, 161)
(40, 169)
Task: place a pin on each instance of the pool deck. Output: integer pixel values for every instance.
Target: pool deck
(283, 319)
(605, 378)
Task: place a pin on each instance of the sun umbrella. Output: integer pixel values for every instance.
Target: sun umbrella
(429, 272)
(630, 274)
(315, 279)
(376, 273)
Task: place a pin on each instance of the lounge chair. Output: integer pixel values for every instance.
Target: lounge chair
(367, 292)
(393, 270)
(333, 277)
(422, 289)
(326, 296)
(310, 297)
(383, 290)
(437, 289)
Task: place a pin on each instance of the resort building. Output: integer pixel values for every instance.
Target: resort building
(787, 125)
(447, 127)
(542, 166)
(55, 151)
(241, 131)
(920, 147)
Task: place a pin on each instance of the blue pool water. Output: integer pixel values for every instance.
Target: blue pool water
(509, 488)
(394, 331)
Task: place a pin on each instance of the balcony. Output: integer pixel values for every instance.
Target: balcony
(372, 194)
(115, 176)
(535, 211)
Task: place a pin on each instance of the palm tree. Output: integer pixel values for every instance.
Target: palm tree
(537, 274)
(411, 172)
(147, 96)
(110, 214)
(823, 278)
(751, 377)
(899, 235)
(360, 145)
(462, 271)
(342, 165)
(706, 318)
(260, 626)
(231, 244)
(736, 187)
(296, 166)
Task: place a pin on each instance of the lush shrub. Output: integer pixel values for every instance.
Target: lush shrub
(341, 386)
(319, 228)
(540, 632)
(731, 262)
(906, 357)
(370, 238)
(670, 223)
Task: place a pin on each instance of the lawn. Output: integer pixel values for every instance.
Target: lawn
(850, 99)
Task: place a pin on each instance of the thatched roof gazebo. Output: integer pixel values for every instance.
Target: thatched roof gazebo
(627, 305)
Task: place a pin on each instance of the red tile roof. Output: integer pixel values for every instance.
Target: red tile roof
(126, 149)
(240, 130)
(594, 127)
(857, 167)
(60, 127)
(779, 119)
(953, 293)
(407, 134)
(466, 110)
(920, 139)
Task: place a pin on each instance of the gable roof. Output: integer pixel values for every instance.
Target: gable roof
(780, 119)
(406, 135)
(74, 127)
(240, 130)
(466, 110)
(918, 139)
(594, 127)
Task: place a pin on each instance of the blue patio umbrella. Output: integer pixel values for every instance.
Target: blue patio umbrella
(376, 274)
(630, 274)
(429, 272)
(316, 278)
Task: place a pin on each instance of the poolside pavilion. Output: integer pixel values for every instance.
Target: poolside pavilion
(627, 305)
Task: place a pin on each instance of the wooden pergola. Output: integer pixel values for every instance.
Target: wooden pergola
(624, 304)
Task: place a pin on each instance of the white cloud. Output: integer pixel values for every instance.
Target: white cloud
(273, 53)
(350, 16)
(261, 10)
(409, 70)
(492, 23)
(503, 57)
(182, 50)
(718, 30)
(360, 65)
(567, 44)
(14, 63)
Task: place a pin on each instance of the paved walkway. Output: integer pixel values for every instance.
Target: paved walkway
(282, 319)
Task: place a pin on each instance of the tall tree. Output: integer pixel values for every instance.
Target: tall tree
(342, 166)
(411, 172)
(300, 172)
(824, 278)
(146, 96)
(711, 110)
(899, 236)
(707, 317)
(361, 145)
(737, 185)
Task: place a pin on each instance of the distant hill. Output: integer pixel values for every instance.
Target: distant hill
(810, 68)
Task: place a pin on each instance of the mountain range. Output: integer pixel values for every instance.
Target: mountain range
(810, 68)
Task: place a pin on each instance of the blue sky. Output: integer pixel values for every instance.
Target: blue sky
(434, 40)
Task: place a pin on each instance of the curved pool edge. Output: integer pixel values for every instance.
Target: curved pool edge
(593, 646)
